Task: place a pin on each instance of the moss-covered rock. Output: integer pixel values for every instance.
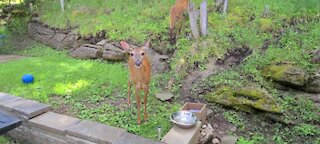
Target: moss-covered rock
(286, 74)
(313, 84)
(247, 99)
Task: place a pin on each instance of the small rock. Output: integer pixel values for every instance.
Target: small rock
(229, 140)
(204, 126)
(209, 112)
(233, 128)
(206, 134)
(215, 141)
(164, 96)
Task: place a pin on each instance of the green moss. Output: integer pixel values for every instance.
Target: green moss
(276, 71)
(286, 74)
(266, 24)
(250, 93)
(246, 99)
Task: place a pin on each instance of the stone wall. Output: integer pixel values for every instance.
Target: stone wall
(56, 38)
(40, 126)
(88, 47)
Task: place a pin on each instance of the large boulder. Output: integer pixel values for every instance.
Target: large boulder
(293, 76)
(89, 51)
(72, 40)
(247, 99)
(40, 32)
(286, 74)
(84, 52)
(313, 84)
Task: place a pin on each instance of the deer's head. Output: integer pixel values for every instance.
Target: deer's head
(138, 54)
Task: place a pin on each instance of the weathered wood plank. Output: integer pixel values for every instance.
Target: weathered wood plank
(193, 20)
(62, 5)
(225, 6)
(203, 17)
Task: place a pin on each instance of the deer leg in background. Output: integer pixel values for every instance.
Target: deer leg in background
(181, 25)
(172, 35)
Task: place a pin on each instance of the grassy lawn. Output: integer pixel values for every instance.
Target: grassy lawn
(88, 88)
(97, 90)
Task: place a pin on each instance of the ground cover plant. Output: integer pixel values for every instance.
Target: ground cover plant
(96, 90)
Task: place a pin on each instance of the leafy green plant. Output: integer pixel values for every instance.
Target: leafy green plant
(235, 119)
(255, 139)
(307, 129)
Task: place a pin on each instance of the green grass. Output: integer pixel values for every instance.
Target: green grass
(56, 73)
(127, 19)
(4, 140)
(306, 129)
(255, 139)
(88, 87)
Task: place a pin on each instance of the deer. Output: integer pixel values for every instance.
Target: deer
(139, 74)
(176, 18)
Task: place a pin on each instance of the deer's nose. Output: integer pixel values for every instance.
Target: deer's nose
(138, 63)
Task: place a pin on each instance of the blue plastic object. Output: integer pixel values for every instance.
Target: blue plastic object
(27, 78)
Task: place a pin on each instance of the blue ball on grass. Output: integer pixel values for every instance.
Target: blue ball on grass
(27, 78)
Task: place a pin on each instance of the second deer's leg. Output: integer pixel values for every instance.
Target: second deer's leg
(137, 91)
(129, 92)
(146, 90)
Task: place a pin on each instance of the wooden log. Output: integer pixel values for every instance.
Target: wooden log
(203, 17)
(225, 6)
(193, 20)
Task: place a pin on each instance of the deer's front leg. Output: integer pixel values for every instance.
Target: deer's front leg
(146, 90)
(129, 92)
(138, 103)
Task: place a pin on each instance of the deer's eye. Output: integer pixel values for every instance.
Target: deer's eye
(131, 54)
(142, 53)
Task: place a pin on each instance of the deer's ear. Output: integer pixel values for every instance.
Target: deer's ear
(147, 44)
(125, 46)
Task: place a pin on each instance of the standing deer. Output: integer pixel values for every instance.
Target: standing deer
(177, 18)
(140, 74)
